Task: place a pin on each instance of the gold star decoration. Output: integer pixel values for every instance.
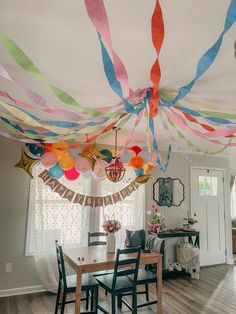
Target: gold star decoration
(27, 163)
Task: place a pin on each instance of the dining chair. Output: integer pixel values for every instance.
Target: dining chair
(119, 283)
(146, 276)
(67, 284)
(96, 242)
(92, 242)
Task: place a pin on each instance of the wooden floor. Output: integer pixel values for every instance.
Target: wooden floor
(214, 293)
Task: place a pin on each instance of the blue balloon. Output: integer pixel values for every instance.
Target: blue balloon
(56, 172)
(87, 174)
(139, 172)
(108, 155)
(35, 149)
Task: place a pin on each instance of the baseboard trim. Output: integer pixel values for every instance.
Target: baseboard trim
(230, 261)
(21, 290)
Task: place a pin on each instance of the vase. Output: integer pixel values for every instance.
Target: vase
(111, 242)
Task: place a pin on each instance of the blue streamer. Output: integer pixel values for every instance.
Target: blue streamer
(207, 59)
(113, 82)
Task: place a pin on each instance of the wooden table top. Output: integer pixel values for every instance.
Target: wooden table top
(96, 258)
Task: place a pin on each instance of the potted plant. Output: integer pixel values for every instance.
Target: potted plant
(190, 222)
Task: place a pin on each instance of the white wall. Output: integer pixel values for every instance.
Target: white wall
(179, 167)
(14, 189)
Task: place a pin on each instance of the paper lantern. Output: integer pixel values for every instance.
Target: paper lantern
(115, 171)
(66, 162)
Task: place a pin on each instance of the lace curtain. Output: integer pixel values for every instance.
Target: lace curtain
(56, 218)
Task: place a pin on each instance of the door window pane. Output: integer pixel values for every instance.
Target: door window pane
(207, 186)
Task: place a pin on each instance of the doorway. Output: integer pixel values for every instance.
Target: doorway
(207, 204)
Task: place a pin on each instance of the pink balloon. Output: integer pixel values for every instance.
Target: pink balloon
(99, 169)
(82, 164)
(71, 174)
(48, 160)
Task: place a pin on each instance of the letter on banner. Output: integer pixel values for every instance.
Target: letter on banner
(124, 193)
(52, 183)
(107, 200)
(89, 201)
(98, 201)
(131, 188)
(60, 189)
(69, 194)
(135, 185)
(44, 176)
(79, 198)
(116, 197)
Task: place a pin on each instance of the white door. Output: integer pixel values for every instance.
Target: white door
(207, 203)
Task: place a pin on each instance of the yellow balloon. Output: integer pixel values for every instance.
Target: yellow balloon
(60, 148)
(113, 153)
(66, 162)
(145, 167)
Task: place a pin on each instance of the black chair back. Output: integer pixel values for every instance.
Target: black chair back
(61, 265)
(131, 261)
(92, 242)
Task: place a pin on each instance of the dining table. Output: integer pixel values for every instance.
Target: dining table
(96, 258)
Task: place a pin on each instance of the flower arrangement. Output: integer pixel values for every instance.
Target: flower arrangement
(157, 220)
(111, 225)
(191, 221)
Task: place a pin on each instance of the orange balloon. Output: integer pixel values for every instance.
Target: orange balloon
(88, 148)
(150, 167)
(137, 162)
(60, 148)
(66, 162)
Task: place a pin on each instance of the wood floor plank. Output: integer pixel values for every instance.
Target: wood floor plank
(214, 293)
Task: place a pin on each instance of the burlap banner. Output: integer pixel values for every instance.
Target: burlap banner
(88, 200)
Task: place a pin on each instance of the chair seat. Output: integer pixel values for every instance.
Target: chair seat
(88, 282)
(102, 272)
(123, 284)
(145, 276)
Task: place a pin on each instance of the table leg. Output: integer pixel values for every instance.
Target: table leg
(78, 290)
(159, 285)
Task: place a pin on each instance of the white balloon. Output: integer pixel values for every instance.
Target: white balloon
(126, 157)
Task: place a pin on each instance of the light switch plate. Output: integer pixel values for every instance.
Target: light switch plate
(8, 267)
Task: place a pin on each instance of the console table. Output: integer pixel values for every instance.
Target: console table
(179, 234)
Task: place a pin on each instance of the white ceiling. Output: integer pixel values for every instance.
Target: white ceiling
(60, 39)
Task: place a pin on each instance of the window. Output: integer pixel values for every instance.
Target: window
(207, 186)
(50, 216)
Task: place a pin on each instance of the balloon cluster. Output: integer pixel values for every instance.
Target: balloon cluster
(73, 160)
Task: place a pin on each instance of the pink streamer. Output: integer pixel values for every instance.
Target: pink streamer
(179, 121)
(97, 13)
